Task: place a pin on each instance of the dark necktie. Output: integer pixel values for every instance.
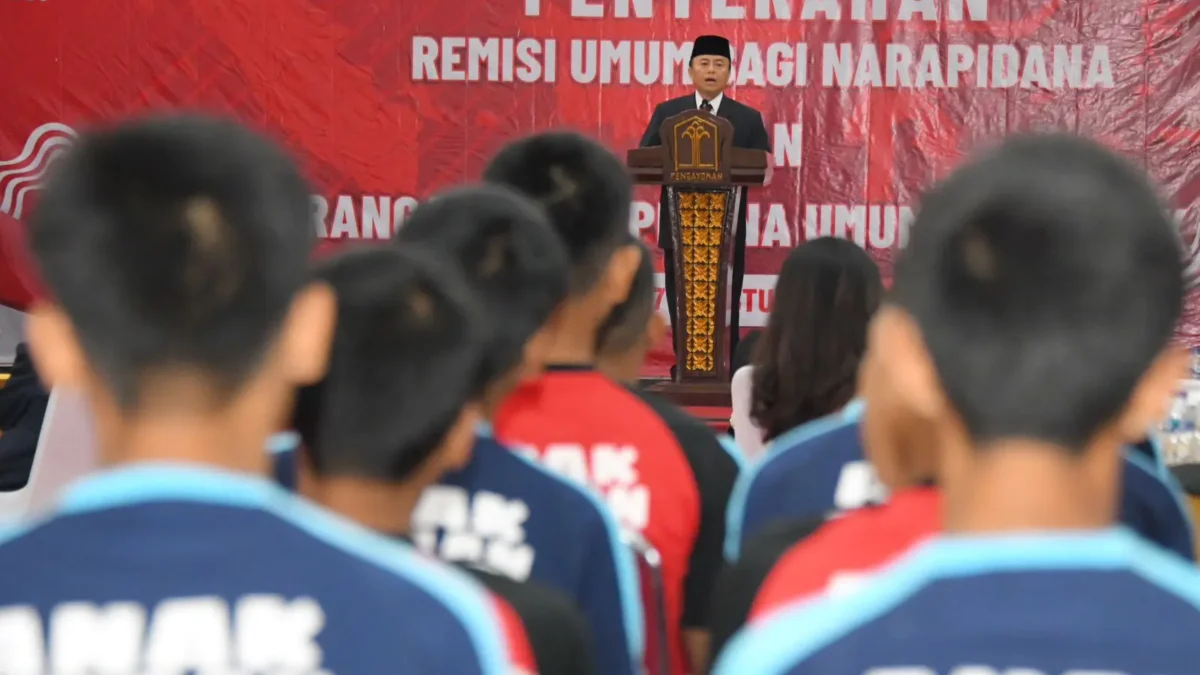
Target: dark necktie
(706, 106)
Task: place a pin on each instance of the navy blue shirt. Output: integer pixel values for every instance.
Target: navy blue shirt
(507, 515)
(1105, 602)
(178, 568)
(819, 468)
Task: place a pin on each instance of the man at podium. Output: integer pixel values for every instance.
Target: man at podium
(709, 67)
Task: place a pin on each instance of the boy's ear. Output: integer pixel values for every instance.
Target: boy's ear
(1151, 399)
(618, 276)
(54, 347)
(307, 335)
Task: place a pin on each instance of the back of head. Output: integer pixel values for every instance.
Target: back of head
(508, 253)
(407, 356)
(806, 361)
(625, 327)
(1045, 278)
(174, 245)
(583, 187)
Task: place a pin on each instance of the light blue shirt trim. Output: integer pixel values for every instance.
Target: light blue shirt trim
(731, 448)
(799, 632)
(1160, 462)
(485, 430)
(151, 482)
(1158, 469)
(735, 513)
(284, 441)
(627, 575)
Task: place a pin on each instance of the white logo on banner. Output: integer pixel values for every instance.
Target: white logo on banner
(258, 634)
(487, 531)
(23, 174)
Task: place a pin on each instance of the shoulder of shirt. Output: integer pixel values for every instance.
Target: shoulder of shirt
(1151, 463)
(742, 374)
(401, 567)
(788, 445)
(837, 533)
(590, 507)
(801, 630)
(805, 439)
(778, 539)
(622, 561)
(546, 479)
(1172, 491)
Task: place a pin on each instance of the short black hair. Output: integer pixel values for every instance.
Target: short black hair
(406, 358)
(508, 254)
(583, 187)
(1046, 276)
(806, 362)
(626, 324)
(174, 243)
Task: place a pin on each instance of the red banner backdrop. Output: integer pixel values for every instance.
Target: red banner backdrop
(386, 101)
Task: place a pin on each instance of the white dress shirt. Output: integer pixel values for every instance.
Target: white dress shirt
(715, 103)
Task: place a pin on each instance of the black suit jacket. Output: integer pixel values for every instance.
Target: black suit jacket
(748, 132)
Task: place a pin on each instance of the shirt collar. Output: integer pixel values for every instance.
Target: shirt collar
(168, 481)
(715, 102)
(854, 409)
(484, 429)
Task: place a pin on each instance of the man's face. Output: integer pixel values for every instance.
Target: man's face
(710, 75)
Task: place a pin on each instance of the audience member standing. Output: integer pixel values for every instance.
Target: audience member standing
(398, 409)
(176, 251)
(532, 524)
(592, 429)
(1030, 325)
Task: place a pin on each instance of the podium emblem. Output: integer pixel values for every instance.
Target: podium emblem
(696, 142)
(697, 145)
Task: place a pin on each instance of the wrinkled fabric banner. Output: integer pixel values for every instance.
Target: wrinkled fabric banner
(387, 101)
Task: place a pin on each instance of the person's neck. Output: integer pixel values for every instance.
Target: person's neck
(624, 368)
(1023, 486)
(377, 505)
(229, 440)
(490, 408)
(574, 342)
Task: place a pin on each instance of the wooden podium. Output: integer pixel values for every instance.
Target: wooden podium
(704, 175)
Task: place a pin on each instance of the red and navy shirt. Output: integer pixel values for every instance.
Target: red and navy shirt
(179, 568)
(1097, 602)
(838, 556)
(819, 468)
(668, 479)
(793, 559)
(508, 515)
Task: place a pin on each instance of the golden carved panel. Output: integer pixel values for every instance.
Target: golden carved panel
(701, 220)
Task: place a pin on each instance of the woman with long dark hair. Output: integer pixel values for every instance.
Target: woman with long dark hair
(806, 363)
